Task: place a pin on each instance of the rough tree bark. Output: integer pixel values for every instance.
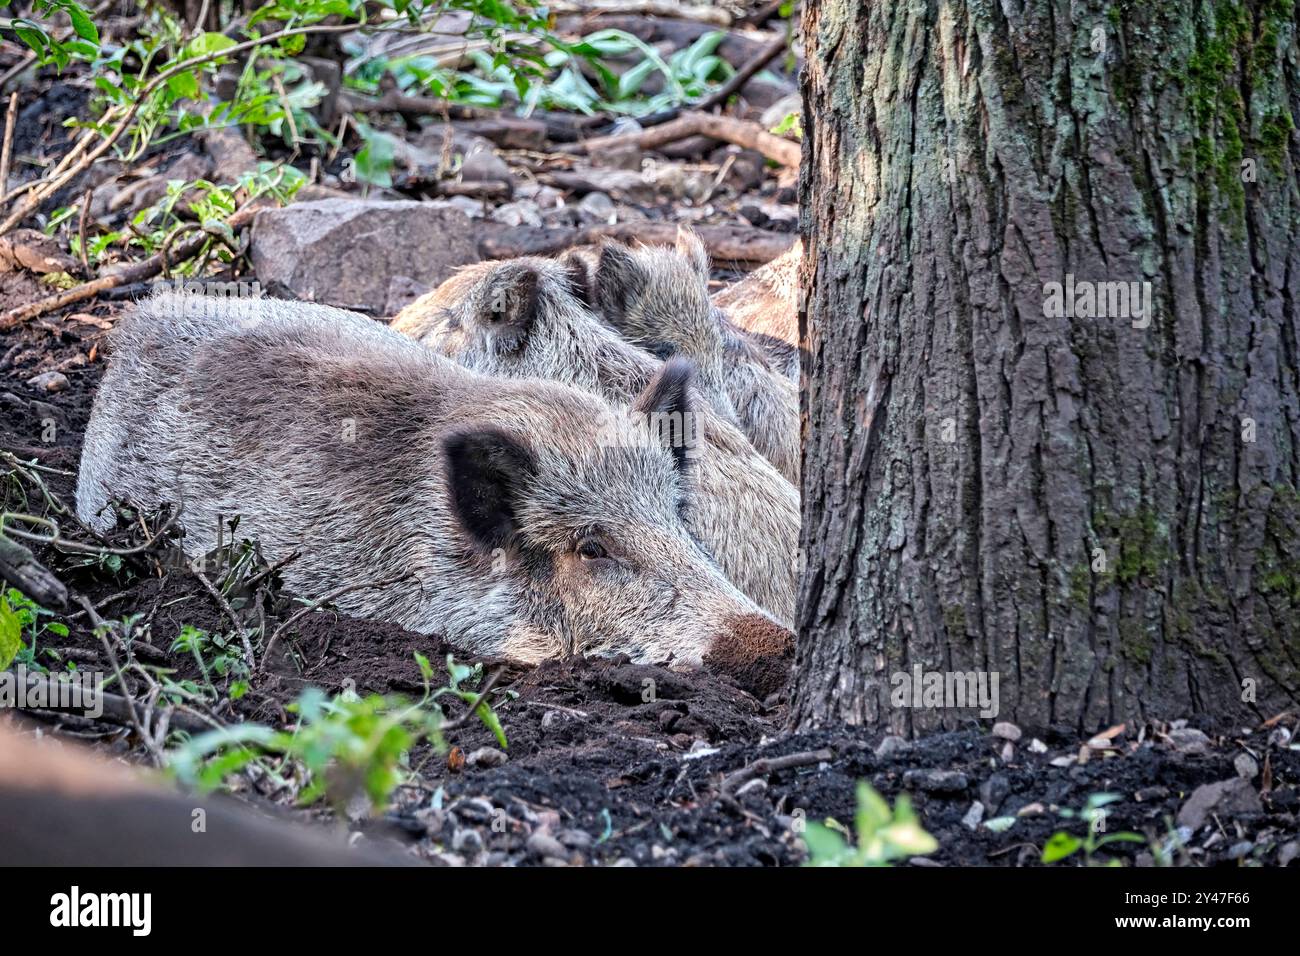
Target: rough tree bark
(1105, 514)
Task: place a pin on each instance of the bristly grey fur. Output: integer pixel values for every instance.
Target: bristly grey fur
(658, 298)
(329, 434)
(744, 512)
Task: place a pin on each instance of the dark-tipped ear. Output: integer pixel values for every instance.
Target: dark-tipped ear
(618, 277)
(511, 307)
(666, 404)
(578, 275)
(691, 246)
(487, 472)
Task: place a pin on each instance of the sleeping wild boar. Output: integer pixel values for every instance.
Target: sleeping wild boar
(520, 319)
(329, 434)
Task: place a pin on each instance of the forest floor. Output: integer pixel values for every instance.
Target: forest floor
(608, 762)
(614, 763)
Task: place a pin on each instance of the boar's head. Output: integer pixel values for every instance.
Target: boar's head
(586, 528)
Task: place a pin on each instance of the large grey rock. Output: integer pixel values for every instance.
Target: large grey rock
(363, 254)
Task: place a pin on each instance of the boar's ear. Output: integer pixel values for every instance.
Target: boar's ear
(690, 245)
(667, 404)
(487, 472)
(618, 277)
(578, 275)
(511, 307)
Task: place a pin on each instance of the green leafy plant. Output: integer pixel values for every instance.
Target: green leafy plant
(21, 617)
(1061, 844)
(883, 835)
(342, 746)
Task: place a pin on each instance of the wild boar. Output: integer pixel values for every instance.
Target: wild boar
(520, 319)
(763, 308)
(658, 298)
(534, 520)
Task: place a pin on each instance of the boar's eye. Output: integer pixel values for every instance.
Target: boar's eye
(590, 549)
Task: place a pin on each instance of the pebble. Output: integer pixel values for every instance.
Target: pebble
(49, 382)
(1036, 746)
(544, 845)
(1246, 766)
(467, 841)
(1189, 740)
(1007, 731)
(1239, 850)
(974, 815)
(596, 207)
(474, 810)
(1288, 852)
(890, 745)
(487, 757)
(575, 839)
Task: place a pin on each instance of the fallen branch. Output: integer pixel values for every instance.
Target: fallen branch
(725, 128)
(715, 16)
(745, 244)
(136, 272)
(7, 150)
(21, 569)
(116, 707)
(761, 768)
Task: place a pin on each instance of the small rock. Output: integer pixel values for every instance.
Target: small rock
(974, 815)
(922, 861)
(479, 161)
(1280, 736)
(753, 786)
(576, 839)
(1036, 746)
(474, 810)
(1066, 761)
(487, 757)
(49, 382)
(1189, 740)
(467, 841)
(1030, 809)
(1239, 850)
(890, 745)
(1288, 852)
(994, 790)
(935, 781)
(1227, 797)
(1246, 766)
(1147, 794)
(544, 845)
(1008, 752)
(1007, 731)
(522, 212)
(596, 207)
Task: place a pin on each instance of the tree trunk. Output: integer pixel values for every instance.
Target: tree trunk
(1008, 476)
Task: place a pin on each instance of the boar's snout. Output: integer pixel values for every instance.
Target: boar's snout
(753, 649)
